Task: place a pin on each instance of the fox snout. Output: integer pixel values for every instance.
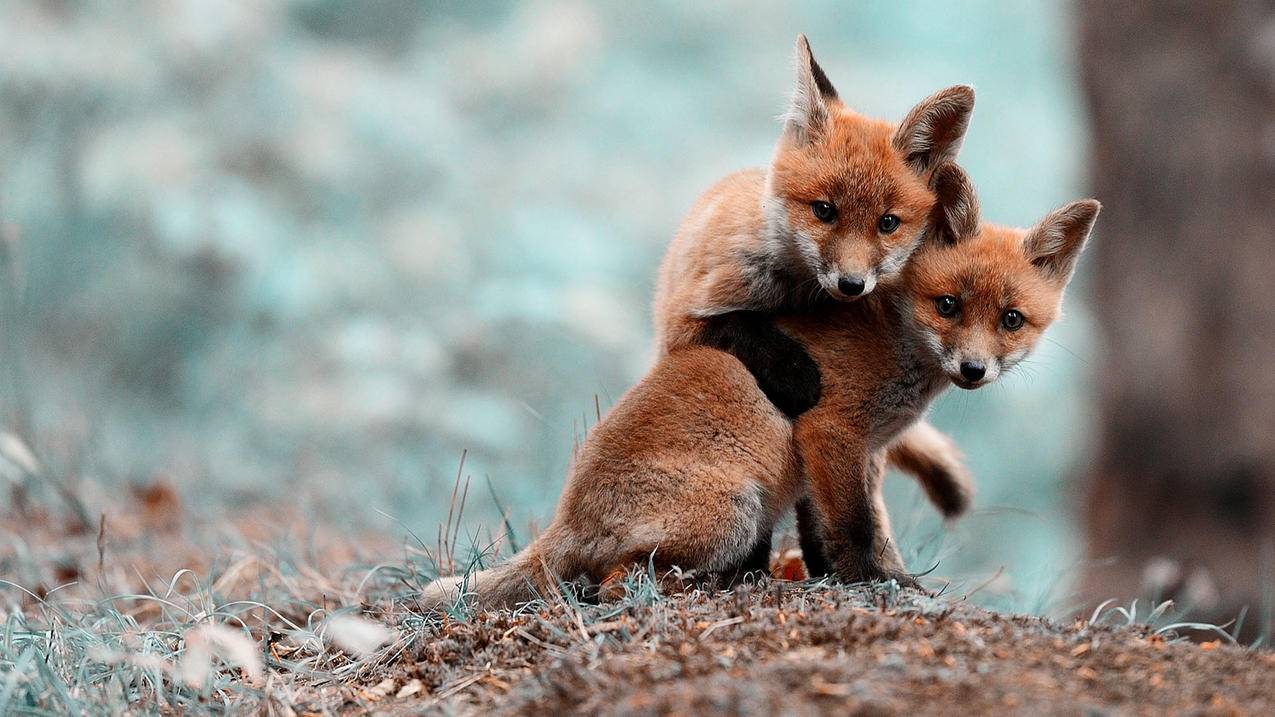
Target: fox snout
(852, 285)
(851, 276)
(860, 267)
(970, 371)
(973, 371)
(848, 286)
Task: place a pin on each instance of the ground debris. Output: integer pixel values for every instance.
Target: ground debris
(341, 634)
(818, 649)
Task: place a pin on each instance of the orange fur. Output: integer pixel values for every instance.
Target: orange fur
(693, 465)
(751, 242)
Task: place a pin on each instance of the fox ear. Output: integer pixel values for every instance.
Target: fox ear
(811, 97)
(932, 132)
(1055, 243)
(955, 215)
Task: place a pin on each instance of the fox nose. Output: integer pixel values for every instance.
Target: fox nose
(851, 285)
(973, 370)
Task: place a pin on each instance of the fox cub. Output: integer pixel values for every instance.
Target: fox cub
(839, 211)
(694, 464)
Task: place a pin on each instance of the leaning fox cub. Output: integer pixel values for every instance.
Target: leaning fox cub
(693, 466)
(839, 211)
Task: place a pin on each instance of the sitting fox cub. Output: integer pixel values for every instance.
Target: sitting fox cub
(838, 212)
(694, 464)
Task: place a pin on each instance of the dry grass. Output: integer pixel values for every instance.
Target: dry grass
(155, 609)
(155, 612)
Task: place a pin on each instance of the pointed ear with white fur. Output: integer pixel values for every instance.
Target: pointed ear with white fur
(956, 213)
(812, 96)
(932, 132)
(1055, 243)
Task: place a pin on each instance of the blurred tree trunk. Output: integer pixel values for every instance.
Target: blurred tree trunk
(1182, 493)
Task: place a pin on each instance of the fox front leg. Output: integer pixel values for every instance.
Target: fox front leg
(814, 554)
(883, 541)
(812, 550)
(845, 501)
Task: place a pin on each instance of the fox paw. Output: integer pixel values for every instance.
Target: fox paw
(905, 580)
(872, 573)
(882, 575)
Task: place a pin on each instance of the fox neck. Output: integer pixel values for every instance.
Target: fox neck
(897, 372)
(918, 356)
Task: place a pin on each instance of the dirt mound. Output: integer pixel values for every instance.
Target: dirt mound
(777, 648)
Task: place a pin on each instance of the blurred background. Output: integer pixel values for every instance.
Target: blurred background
(308, 252)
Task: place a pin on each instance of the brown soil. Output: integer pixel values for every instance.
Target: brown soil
(783, 649)
(777, 647)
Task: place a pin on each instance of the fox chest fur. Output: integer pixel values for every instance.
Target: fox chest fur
(877, 372)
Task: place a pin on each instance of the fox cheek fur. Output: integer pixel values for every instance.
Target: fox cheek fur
(869, 178)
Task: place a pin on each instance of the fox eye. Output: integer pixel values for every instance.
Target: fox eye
(947, 306)
(1012, 320)
(888, 223)
(824, 212)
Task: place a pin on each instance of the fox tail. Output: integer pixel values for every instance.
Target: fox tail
(531, 573)
(937, 464)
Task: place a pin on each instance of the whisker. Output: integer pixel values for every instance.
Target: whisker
(811, 289)
(1060, 345)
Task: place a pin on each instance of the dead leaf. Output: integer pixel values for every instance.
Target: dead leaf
(161, 507)
(357, 635)
(231, 645)
(411, 688)
(788, 565)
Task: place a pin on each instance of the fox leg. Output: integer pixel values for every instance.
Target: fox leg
(936, 463)
(812, 548)
(722, 529)
(759, 558)
(758, 561)
(883, 541)
(782, 367)
(812, 552)
(844, 484)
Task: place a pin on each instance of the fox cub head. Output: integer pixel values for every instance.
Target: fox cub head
(982, 295)
(846, 195)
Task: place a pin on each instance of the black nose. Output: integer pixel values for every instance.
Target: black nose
(973, 370)
(851, 285)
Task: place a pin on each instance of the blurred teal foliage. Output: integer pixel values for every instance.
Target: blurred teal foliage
(310, 250)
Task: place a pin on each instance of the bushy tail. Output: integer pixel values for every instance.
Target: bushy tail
(530, 574)
(935, 461)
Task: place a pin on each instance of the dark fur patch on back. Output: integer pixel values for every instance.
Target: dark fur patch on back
(784, 370)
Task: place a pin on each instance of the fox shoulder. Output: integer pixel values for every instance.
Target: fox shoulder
(706, 271)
